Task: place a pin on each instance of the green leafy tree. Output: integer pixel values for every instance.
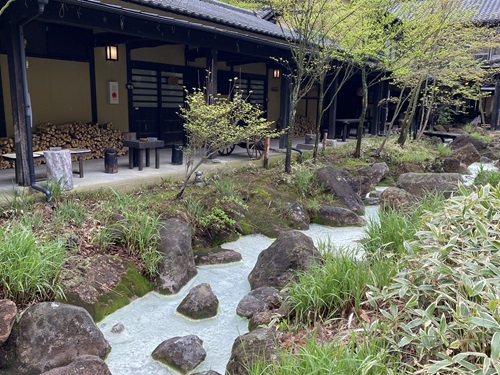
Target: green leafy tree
(213, 124)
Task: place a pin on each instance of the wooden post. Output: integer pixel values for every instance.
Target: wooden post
(266, 152)
(18, 103)
(212, 78)
(325, 136)
(495, 114)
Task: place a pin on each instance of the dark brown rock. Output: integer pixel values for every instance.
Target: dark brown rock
(218, 256)
(420, 184)
(338, 217)
(84, 365)
(256, 346)
(181, 353)
(299, 216)
(262, 318)
(53, 335)
(376, 172)
(200, 303)
(451, 165)
(259, 300)
(333, 180)
(8, 311)
(465, 139)
(290, 253)
(397, 199)
(467, 154)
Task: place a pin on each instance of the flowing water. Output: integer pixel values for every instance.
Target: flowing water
(153, 318)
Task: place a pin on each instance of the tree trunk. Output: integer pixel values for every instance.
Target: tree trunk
(294, 98)
(357, 152)
(391, 124)
(319, 119)
(410, 114)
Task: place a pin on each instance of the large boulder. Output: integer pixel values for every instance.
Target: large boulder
(299, 216)
(375, 172)
(200, 303)
(290, 253)
(84, 365)
(420, 184)
(254, 347)
(177, 265)
(397, 199)
(259, 300)
(465, 139)
(181, 353)
(360, 184)
(338, 217)
(8, 311)
(335, 183)
(467, 154)
(52, 335)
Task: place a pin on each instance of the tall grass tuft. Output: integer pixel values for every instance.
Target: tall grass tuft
(29, 267)
(355, 357)
(325, 290)
(485, 176)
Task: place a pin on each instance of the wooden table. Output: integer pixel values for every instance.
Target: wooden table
(347, 125)
(138, 148)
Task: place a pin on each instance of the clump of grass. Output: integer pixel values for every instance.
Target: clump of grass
(336, 285)
(444, 150)
(305, 182)
(485, 176)
(388, 234)
(356, 356)
(29, 266)
(70, 213)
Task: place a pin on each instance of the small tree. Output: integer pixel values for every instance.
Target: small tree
(216, 124)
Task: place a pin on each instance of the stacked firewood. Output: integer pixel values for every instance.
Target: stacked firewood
(303, 126)
(95, 137)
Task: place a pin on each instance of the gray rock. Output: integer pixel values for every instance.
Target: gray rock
(53, 335)
(181, 353)
(465, 139)
(335, 182)
(396, 198)
(338, 217)
(8, 311)
(419, 184)
(177, 265)
(485, 160)
(84, 365)
(299, 216)
(220, 256)
(256, 346)
(372, 201)
(376, 173)
(259, 300)
(200, 303)
(209, 372)
(290, 253)
(467, 154)
(360, 184)
(118, 328)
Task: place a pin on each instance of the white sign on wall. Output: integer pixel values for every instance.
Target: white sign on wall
(113, 92)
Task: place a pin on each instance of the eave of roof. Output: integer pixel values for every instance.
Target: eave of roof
(217, 12)
(486, 11)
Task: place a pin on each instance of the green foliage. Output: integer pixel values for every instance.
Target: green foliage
(485, 176)
(305, 182)
(353, 356)
(444, 150)
(223, 215)
(70, 213)
(17, 203)
(388, 235)
(29, 266)
(327, 289)
(441, 310)
(55, 187)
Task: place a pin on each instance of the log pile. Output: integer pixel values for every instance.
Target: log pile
(303, 126)
(95, 137)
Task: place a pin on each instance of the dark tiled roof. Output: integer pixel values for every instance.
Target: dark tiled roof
(217, 12)
(487, 11)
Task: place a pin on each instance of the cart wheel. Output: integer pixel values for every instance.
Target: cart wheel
(255, 148)
(227, 150)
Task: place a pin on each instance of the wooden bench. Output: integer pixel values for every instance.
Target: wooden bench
(442, 135)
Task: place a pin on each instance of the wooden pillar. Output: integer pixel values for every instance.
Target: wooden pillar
(93, 90)
(332, 111)
(20, 109)
(212, 77)
(284, 108)
(495, 113)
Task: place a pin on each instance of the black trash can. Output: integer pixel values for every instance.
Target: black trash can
(177, 154)
(110, 161)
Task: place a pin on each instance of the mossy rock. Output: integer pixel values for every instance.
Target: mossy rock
(102, 284)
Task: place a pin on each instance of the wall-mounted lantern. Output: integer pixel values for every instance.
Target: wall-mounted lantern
(111, 53)
(276, 73)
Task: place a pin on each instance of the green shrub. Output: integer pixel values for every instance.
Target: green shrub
(70, 213)
(29, 266)
(442, 309)
(444, 150)
(305, 182)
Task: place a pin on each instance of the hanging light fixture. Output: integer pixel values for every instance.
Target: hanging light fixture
(276, 73)
(111, 53)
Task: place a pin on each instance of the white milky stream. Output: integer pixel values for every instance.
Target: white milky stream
(153, 318)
